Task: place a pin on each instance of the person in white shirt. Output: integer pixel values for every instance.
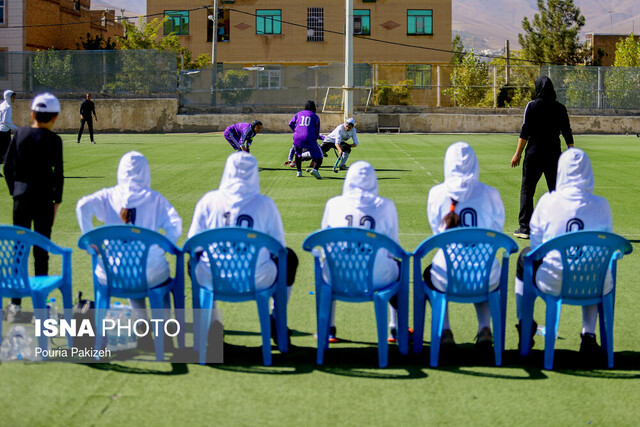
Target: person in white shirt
(571, 207)
(361, 206)
(238, 202)
(132, 201)
(463, 201)
(6, 123)
(338, 139)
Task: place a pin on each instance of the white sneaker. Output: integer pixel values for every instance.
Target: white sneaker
(315, 173)
(93, 142)
(299, 174)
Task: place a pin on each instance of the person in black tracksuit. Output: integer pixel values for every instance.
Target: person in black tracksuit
(544, 120)
(86, 109)
(34, 174)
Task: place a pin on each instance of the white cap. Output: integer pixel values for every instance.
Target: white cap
(45, 103)
(350, 121)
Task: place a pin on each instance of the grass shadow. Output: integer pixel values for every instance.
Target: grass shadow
(176, 369)
(626, 365)
(84, 177)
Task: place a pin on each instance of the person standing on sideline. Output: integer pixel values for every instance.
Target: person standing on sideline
(6, 123)
(240, 135)
(571, 207)
(34, 174)
(544, 120)
(86, 109)
(306, 132)
(463, 201)
(338, 140)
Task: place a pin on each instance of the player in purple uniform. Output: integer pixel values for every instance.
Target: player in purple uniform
(240, 135)
(306, 131)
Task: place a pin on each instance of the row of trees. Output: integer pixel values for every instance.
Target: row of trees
(550, 39)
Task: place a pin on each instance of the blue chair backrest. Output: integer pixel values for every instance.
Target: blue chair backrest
(350, 253)
(586, 257)
(469, 254)
(124, 250)
(15, 245)
(233, 254)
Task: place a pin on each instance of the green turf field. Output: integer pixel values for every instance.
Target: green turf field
(348, 389)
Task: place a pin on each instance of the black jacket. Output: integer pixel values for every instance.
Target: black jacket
(544, 120)
(86, 108)
(33, 165)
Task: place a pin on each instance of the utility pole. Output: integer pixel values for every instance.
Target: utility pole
(347, 90)
(611, 12)
(214, 43)
(507, 54)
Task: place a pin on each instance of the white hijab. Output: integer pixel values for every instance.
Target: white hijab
(7, 96)
(134, 181)
(575, 176)
(361, 185)
(240, 182)
(461, 171)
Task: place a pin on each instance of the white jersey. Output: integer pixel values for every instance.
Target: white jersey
(238, 203)
(360, 206)
(478, 205)
(153, 211)
(572, 207)
(341, 134)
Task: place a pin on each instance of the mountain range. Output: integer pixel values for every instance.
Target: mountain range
(486, 24)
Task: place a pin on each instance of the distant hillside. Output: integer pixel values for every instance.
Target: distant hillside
(488, 24)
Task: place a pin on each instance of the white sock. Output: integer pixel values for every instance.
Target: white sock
(393, 317)
(333, 314)
(589, 318)
(519, 286)
(483, 312)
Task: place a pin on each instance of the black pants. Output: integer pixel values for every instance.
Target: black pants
(327, 146)
(5, 139)
(532, 169)
(89, 124)
(38, 211)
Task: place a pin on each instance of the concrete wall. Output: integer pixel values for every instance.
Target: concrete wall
(161, 115)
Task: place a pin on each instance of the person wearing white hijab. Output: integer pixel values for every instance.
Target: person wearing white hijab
(6, 123)
(475, 205)
(361, 206)
(238, 202)
(571, 207)
(133, 201)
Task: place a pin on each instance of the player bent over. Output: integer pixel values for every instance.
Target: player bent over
(306, 131)
(338, 140)
(240, 135)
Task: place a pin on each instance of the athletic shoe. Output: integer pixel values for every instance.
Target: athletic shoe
(315, 173)
(332, 335)
(78, 142)
(308, 170)
(393, 337)
(93, 142)
(343, 167)
(484, 339)
(522, 233)
(534, 328)
(14, 313)
(446, 340)
(299, 174)
(589, 345)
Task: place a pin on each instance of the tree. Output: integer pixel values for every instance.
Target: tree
(469, 81)
(552, 37)
(234, 87)
(457, 50)
(398, 94)
(96, 43)
(53, 69)
(521, 77)
(628, 52)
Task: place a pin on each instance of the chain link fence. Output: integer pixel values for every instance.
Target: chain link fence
(121, 72)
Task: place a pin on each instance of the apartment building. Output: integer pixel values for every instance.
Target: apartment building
(603, 47)
(394, 39)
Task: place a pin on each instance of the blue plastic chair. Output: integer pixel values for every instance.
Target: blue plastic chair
(586, 257)
(233, 255)
(469, 254)
(15, 282)
(123, 250)
(350, 253)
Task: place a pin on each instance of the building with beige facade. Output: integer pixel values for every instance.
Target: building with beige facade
(394, 40)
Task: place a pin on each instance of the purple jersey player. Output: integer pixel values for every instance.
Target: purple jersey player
(306, 131)
(240, 135)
